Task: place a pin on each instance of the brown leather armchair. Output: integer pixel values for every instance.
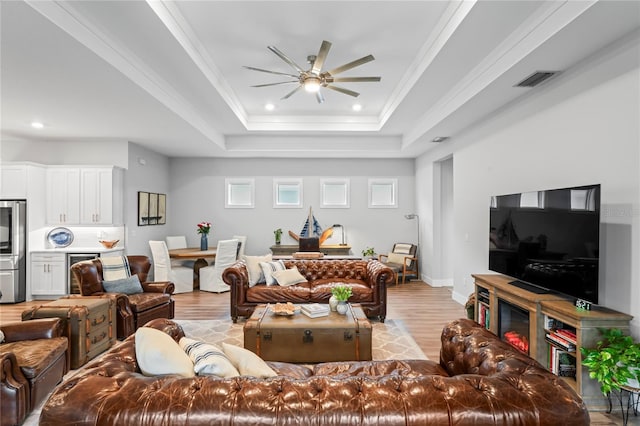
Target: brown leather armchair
(34, 357)
(134, 310)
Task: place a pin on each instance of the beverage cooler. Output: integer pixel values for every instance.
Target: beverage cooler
(13, 266)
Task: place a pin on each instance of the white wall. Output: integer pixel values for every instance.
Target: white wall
(112, 153)
(147, 171)
(581, 128)
(197, 194)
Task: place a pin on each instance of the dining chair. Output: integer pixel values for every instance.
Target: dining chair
(163, 270)
(211, 276)
(243, 243)
(178, 242)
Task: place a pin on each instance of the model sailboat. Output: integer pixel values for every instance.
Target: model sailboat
(312, 228)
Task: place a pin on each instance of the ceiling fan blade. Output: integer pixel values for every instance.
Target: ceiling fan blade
(352, 79)
(288, 95)
(285, 58)
(322, 55)
(275, 84)
(270, 72)
(343, 90)
(319, 97)
(350, 65)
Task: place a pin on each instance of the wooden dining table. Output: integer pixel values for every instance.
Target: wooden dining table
(200, 257)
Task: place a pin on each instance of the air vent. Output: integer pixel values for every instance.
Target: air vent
(536, 78)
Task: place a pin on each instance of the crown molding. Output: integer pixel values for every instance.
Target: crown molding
(63, 15)
(539, 28)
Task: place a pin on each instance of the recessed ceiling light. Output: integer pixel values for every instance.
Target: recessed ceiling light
(269, 107)
(37, 125)
(357, 107)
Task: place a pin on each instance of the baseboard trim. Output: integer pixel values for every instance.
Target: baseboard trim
(460, 298)
(446, 282)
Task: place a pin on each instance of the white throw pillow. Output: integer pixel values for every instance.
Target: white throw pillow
(158, 354)
(208, 359)
(1, 336)
(268, 268)
(253, 268)
(247, 363)
(289, 277)
(396, 258)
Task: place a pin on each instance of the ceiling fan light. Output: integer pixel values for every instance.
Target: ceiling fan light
(312, 85)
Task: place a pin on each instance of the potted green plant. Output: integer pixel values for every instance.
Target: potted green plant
(368, 253)
(613, 361)
(341, 294)
(278, 235)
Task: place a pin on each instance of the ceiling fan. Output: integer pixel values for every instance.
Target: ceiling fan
(314, 78)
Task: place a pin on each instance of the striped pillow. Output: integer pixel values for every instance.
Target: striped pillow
(268, 268)
(115, 268)
(208, 359)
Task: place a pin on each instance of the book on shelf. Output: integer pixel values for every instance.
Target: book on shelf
(554, 339)
(562, 363)
(315, 310)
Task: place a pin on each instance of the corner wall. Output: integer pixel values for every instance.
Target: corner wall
(580, 128)
(152, 176)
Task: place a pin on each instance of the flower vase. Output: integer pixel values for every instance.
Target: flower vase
(342, 308)
(204, 242)
(333, 303)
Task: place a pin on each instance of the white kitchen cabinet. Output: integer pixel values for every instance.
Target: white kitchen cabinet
(48, 274)
(13, 181)
(63, 196)
(101, 196)
(84, 196)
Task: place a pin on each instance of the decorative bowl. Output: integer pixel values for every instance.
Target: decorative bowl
(109, 244)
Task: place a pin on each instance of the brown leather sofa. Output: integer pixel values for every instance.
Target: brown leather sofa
(367, 279)
(479, 380)
(34, 357)
(134, 310)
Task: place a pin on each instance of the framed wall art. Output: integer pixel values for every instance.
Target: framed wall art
(152, 208)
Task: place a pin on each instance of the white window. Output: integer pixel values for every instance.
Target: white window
(239, 193)
(334, 193)
(287, 193)
(383, 193)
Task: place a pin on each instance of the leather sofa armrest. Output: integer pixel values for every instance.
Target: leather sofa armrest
(45, 328)
(11, 375)
(236, 275)
(166, 287)
(379, 274)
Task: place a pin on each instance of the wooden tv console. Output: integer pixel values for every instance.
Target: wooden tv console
(546, 312)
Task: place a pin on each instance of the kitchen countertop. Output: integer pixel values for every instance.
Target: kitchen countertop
(70, 249)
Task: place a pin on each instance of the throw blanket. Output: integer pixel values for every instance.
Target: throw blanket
(115, 268)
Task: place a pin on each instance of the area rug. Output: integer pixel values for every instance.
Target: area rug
(389, 340)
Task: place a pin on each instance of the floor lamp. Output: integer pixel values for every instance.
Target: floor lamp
(417, 218)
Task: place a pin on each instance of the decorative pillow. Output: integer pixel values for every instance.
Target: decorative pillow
(247, 363)
(115, 267)
(208, 359)
(253, 268)
(288, 277)
(268, 268)
(1, 336)
(129, 285)
(158, 354)
(402, 248)
(396, 258)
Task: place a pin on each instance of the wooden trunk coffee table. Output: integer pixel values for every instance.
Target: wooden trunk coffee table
(298, 338)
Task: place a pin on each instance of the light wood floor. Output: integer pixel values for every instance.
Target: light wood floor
(424, 310)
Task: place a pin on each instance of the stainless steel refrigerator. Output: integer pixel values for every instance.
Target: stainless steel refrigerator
(13, 266)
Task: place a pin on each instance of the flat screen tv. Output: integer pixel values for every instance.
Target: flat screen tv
(548, 241)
